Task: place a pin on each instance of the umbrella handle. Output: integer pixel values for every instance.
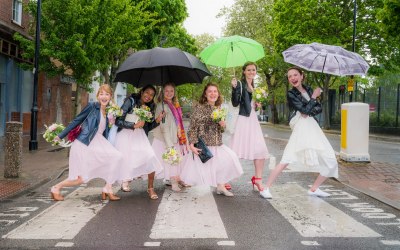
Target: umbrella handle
(162, 104)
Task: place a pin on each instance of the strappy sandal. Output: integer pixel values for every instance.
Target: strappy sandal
(152, 194)
(125, 186)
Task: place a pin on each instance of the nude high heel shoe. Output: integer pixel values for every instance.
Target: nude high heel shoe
(110, 195)
(175, 185)
(56, 195)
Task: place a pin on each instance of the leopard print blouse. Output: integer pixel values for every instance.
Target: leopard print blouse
(202, 125)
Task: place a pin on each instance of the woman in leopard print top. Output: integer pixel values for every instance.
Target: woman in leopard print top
(224, 166)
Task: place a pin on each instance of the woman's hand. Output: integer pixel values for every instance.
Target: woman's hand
(184, 149)
(317, 92)
(222, 124)
(194, 149)
(160, 116)
(56, 138)
(234, 82)
(139, 124)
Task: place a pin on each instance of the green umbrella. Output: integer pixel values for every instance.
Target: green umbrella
(232, 51)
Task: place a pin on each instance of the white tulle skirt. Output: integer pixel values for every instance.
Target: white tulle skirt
(308, 148)
(139, 158)
(223, 167)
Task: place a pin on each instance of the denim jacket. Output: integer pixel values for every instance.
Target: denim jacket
(242, 97)
(298, 103)
(89, 117)
(134, 102)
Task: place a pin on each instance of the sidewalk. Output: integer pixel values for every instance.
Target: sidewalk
(38, 167)
(378, 180)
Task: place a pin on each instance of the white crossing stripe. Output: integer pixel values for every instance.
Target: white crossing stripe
(64, 244)
(63, 220)
(226, 243)
(310, 243)
(313, 217)
(152, 244)
(189, 214)
(391, 242)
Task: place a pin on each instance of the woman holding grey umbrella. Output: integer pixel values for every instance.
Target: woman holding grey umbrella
(248, 139)
(308, 148)
(139, 158)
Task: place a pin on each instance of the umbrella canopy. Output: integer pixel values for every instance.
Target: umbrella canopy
(158, 66)
(324, 58)
(232, 51)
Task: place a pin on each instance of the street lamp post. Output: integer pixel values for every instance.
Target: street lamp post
(354, 44)
(33, 143)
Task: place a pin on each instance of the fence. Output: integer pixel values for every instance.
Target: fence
(384, 105)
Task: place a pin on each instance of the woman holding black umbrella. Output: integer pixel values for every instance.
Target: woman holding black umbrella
(139, 158)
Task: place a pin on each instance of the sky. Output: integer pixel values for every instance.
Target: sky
(202, 16)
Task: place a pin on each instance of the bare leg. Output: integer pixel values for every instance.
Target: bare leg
(259, 169)
(150, 187)
(320, 179)
(275, 173)
(68, 183)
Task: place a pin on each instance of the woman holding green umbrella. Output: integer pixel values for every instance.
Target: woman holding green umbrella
(248, 140)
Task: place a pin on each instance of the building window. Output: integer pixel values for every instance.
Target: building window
(17, 11)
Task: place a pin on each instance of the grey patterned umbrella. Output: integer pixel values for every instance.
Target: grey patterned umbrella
(327, 59)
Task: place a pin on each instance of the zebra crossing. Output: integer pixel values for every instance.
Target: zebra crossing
(194, 214)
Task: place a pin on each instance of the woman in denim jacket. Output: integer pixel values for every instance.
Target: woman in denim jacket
(92, 155)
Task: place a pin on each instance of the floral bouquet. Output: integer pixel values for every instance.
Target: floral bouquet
(171, 156)
(52, 131)
(143, 113)
(113, 111)
(260, 95)
(219, 114)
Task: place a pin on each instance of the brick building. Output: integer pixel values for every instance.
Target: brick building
(55, 100)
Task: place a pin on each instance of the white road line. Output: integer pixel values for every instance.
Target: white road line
(391, 242)
(189, 214)
(310, 243)
(64, 244)
(313, 217)
(63, 220)
(226, 243)
(152, 244)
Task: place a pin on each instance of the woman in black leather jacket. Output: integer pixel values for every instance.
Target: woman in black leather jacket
(91, 155)
(248, 140)
(308, 149)
(138, 156)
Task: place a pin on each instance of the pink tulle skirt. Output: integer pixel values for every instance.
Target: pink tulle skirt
(169, 170)
(220, 169)
(139, 158)
(97, 160)
(248, 140)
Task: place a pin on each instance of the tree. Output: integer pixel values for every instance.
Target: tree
(253, 19)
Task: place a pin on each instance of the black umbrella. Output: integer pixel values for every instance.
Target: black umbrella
(158, 66)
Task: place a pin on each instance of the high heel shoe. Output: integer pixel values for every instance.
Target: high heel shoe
(152, 194)
(56, 196)
(183, 184)
(125, 186)
(110, 195)
(224, 192)
(175, 186)
(264, 192)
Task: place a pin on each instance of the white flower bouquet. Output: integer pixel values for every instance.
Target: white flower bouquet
(219, 114)
(171, 156)
(52, 131)
(143, 113)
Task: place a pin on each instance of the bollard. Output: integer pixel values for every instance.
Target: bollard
(355, 132)
(12, 149)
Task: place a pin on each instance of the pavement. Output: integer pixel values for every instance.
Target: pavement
(378, 180)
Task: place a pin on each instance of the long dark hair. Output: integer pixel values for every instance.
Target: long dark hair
(244, 68)
(203, 98)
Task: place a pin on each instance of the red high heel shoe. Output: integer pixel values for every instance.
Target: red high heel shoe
(253, 181)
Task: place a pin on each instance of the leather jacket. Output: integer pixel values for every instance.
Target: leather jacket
(242, 97)
(298, 103)
(134, 102)
(89, 117)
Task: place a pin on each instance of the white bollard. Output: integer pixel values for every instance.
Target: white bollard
(354, 132)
